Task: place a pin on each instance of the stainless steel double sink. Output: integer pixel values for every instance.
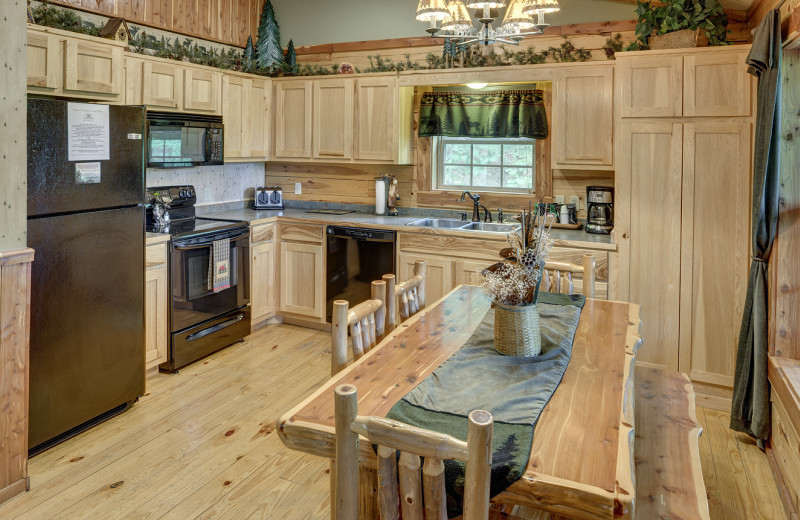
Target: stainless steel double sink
(445, 223)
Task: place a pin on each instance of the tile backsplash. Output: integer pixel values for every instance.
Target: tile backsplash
(214, 184)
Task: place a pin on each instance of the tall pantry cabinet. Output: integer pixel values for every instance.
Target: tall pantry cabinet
(683, 193)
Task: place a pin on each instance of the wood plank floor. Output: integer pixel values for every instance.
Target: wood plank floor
(201, 445)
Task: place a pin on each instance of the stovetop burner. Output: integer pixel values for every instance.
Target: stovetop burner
(182, 220)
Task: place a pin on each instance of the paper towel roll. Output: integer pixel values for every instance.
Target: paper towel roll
(380, 197)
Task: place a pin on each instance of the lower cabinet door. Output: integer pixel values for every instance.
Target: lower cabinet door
(156, 300)
(302, 279)
(438, 274)
(468, 272)
(262, 280)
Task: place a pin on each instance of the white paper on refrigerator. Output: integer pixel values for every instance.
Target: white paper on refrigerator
(88, 132)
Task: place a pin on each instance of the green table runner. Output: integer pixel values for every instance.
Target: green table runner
(513, 389)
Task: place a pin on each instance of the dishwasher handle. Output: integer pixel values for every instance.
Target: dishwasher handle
(368, 235)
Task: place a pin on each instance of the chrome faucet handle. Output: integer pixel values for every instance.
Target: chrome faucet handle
(487, 215)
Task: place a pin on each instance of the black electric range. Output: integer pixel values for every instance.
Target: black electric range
(202, 318)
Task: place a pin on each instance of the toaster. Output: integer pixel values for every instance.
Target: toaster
(268, 198)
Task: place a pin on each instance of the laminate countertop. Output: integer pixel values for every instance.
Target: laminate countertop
(561, 237)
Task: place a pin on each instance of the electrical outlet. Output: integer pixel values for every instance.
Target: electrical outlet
(574, 199)
(206, 194)
(559, 199)
(298, 188)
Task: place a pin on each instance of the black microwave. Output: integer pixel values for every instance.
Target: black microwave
(176, 140)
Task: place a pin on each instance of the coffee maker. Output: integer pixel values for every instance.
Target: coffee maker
(599, 209)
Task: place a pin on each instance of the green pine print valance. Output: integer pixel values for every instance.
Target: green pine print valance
(503, 113)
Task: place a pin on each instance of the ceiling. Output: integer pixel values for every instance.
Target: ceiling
(313, 22)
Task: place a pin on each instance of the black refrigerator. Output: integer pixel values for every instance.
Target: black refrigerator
(86, 225)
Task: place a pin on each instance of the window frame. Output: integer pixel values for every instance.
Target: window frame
(437, 164)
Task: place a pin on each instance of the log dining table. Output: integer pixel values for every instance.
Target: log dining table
(581, 463)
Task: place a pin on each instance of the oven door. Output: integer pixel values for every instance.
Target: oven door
(193, 301)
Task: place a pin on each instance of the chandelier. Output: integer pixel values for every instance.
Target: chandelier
(451, 20)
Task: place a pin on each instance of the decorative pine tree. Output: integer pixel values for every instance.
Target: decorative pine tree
(290, 58)
(268, 48)
(249, 55)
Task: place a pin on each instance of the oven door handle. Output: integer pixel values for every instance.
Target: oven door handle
(209, 244)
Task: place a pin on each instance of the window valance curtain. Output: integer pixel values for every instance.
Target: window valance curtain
(502, 113)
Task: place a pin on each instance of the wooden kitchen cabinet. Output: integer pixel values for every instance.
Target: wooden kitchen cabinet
(715, 84)
(650, 86)
(93, 68)
(715, 247)
(376, 119)
(302, 273)
(293, 119)
(584, 118)
(245, 110)
(333, 119)
(162, 85)
(156, 302)
(42, 62)
(438, 273)
(703, 82)
(648, 198)
(202, 91)
(262, 270)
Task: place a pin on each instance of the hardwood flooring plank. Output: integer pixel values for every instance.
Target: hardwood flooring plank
(709, 472)
(766, 499)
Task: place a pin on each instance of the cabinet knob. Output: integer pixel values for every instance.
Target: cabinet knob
(624, 235)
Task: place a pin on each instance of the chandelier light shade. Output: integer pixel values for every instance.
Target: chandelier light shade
(481, 4)
(516, 18)
(459, 19)
(542, 6)
(432, 10)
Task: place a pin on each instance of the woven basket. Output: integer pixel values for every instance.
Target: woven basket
(516, 330)
(674, 40)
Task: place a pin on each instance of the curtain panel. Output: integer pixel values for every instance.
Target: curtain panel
(503, 113)
(750, 411)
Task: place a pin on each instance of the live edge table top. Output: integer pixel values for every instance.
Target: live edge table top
(581, 462)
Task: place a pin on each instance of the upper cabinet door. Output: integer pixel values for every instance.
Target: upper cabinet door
(293, 119)
(333, 119)
(202, 91)
(91, 68)
(650, 86)
(717, 85)
(162, 85)
(256, 119)
(233, 99)
(584, 118)
(42, 62)
(376, 121)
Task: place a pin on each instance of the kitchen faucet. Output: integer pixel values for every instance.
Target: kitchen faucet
(475, 206)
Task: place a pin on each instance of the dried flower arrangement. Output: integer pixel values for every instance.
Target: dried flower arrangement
(515, 280)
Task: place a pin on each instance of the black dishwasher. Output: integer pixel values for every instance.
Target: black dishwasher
(356, 257)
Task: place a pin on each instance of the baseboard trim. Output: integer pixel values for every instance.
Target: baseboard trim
(783, 491)
(17, 488)
(308, 323)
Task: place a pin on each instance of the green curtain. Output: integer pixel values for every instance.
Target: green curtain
(750, 412)
(502, 113)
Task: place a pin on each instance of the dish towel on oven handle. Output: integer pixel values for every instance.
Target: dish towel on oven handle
(219, 265)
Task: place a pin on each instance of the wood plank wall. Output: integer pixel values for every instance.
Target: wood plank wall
(13, 121)
(785, 266)
(225, 21)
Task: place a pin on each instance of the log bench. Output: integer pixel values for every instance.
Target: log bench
(669, 480)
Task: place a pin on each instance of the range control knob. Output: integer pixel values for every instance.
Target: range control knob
(190, 193)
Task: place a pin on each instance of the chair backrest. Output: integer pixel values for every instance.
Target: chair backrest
(408, 297)
(557, 276)
(366, 322)
(420, 491)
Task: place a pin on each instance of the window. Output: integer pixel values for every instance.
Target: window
(489, 164)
